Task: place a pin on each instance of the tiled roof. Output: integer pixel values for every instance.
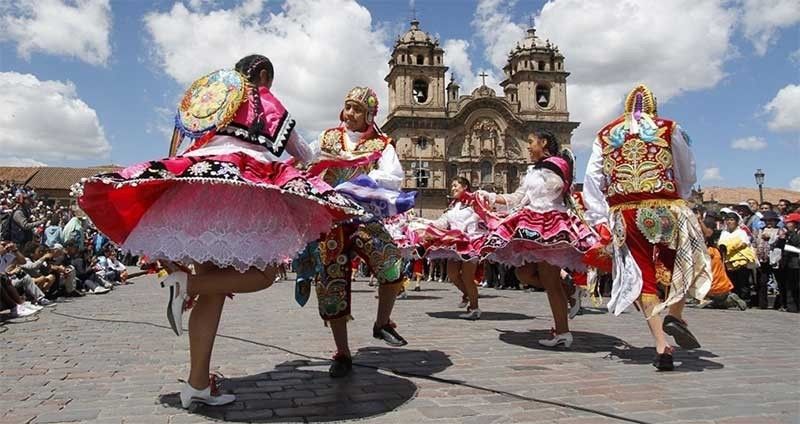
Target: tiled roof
(734, 195)
(51, 177)
(16, 174)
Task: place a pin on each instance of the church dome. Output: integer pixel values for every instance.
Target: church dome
(416, 36)
(532, 43)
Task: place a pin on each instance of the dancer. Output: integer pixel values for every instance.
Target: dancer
(361, 163)
(542, 235)
(457, 236)
(221, 214)
(639, 174)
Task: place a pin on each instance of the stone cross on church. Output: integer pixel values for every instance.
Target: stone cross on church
(483, 76)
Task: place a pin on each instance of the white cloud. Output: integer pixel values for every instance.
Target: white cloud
(320, 50)
(763, 19)
(456, 57)
(610, 47)
(749, 143)
(794, 184)
(712, 174)
(78, 28)
(784, 109)
(495, 27)
(46, 120)
(795, 56)
(17, 161)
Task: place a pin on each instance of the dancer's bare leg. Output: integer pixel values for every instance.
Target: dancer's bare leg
(387, 293)
(468, 283)
(655, 323)
(528, 274)
(339, 331)
(203, 325)
(454, 275)
(676, 309)
(208, 278)
(551, 280)
(211, 284)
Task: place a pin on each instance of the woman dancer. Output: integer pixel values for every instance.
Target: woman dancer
(541, 236)
(457, 236)
(226, 207)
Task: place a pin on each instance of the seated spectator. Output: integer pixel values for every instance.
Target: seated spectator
(85, 273)
(110, 268)
(10, 299)
(36, 266)
(11, 261)
(720, 295)
(65, 271)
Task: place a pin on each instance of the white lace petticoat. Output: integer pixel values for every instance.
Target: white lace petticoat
(227, 225)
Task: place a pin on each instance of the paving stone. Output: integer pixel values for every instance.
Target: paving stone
(124, 369)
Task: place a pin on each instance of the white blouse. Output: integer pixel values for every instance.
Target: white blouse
(541, 190)
(461, 217)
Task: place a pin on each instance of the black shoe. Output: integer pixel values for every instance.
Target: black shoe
(341, 365)
(417, 288)
(389, 335)
(678, 329)
(663, 361)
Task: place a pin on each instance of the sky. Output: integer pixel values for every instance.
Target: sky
(92, 82)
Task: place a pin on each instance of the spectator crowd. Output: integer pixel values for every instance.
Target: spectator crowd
(48, 252)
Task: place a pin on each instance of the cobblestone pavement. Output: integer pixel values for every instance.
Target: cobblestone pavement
(113, 359)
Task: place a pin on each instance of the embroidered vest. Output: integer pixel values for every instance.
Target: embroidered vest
(639, 166)
(333, 142)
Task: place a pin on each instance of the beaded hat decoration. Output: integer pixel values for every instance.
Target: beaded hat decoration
(640, 105)
(211, 102)
(367, 98)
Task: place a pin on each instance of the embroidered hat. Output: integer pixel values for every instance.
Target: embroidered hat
(367, 98)
(640, 109)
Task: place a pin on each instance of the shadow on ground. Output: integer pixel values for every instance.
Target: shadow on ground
(587, 342)
(302, 391)
(485, 315)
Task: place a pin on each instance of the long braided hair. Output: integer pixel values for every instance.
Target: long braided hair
(251, 67)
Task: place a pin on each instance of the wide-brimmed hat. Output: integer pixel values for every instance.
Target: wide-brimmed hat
(770, 216)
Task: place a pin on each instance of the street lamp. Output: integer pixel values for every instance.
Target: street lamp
(760, 181)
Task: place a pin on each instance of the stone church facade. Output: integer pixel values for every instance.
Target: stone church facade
(442, 133)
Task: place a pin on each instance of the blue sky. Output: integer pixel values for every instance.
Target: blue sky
(727, 63)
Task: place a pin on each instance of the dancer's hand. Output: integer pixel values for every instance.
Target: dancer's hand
(486, 197)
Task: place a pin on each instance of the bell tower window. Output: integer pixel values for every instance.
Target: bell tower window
(420, 59)
(543, 95)
(420, 91)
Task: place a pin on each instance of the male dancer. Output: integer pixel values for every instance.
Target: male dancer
(361, 163)
(639, 176)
